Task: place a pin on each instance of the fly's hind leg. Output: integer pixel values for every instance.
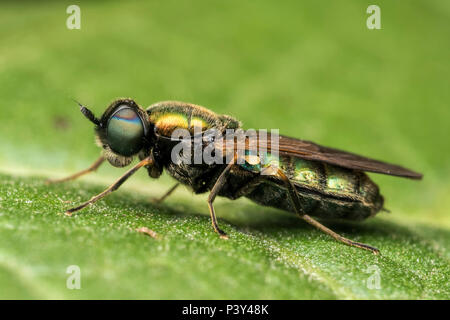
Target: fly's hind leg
(297, 206)
(92, 168)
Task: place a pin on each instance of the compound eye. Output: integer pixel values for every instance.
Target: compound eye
(125, 131)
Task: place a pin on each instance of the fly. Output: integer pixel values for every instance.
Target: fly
(306, 179)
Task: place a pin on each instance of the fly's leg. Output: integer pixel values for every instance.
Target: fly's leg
(146, 162)
(168, 193)
(92, 168)
(298, 209)
(212, 195)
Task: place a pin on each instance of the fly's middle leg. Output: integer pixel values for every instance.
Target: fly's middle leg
(164, 196)
(212, 195)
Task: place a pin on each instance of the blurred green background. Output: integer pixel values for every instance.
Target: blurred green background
(311, 69)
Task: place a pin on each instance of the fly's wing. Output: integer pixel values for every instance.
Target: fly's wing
(310, 151)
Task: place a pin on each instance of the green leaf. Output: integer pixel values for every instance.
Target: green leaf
(270, 255)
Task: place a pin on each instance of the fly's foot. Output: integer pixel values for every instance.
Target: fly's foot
(222, 234)
(155, 200)
(68, 213)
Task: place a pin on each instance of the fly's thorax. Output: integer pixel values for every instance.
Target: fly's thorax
(169, 116)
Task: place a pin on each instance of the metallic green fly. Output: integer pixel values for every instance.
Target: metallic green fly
(308, 179)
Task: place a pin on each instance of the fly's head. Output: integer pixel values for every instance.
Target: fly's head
(123, 131)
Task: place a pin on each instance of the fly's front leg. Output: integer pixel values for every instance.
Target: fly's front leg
(293, 195)
(168, 193)
(146, 162)
(212, 195)
(92, 168)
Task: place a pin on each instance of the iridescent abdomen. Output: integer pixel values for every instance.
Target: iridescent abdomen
(325, 191)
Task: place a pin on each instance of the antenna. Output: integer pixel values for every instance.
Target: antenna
(88, 113)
